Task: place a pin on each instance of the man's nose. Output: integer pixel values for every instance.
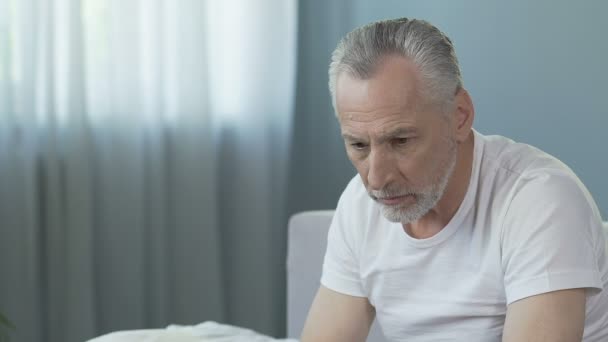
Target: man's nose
(381, 170)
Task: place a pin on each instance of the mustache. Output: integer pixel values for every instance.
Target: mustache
(390, 192)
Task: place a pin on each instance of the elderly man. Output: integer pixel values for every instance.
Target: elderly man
(447, 234)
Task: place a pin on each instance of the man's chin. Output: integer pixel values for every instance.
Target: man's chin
(400, 215)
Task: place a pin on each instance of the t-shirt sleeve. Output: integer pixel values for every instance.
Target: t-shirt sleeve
(341, 262)
(549, 237)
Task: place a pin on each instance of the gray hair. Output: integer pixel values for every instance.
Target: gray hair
(360, 52)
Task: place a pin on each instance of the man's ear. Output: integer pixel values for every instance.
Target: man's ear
(464, 113)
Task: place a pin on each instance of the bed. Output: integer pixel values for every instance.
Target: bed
(307, 240)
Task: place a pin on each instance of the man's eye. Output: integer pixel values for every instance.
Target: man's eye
(358, 146)
(401, 141)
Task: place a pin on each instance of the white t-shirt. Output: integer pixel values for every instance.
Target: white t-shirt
(526, 226)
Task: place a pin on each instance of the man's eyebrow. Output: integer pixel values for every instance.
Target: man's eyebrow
(397, 132)
(400, 131)
(348, 136)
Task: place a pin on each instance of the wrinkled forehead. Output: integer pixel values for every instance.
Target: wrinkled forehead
(395, 83)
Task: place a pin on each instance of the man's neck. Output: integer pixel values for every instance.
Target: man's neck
(438, 217)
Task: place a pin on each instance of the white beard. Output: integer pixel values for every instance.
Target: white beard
(425, 199)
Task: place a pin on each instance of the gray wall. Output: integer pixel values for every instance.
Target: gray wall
(536, 71)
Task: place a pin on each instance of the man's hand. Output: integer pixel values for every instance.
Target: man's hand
(555, 316)
(338, 317)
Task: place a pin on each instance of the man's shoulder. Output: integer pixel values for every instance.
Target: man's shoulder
(519, 158)
(512, 172)
(527, 165)
(532, 181)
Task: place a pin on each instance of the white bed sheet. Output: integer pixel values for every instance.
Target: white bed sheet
(205, 332)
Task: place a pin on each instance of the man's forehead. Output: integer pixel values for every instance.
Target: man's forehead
(394, 84)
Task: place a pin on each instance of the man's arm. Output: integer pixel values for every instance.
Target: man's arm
(338, 317)
(557, 316)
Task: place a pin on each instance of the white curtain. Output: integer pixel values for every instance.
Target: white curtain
(143, 162)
